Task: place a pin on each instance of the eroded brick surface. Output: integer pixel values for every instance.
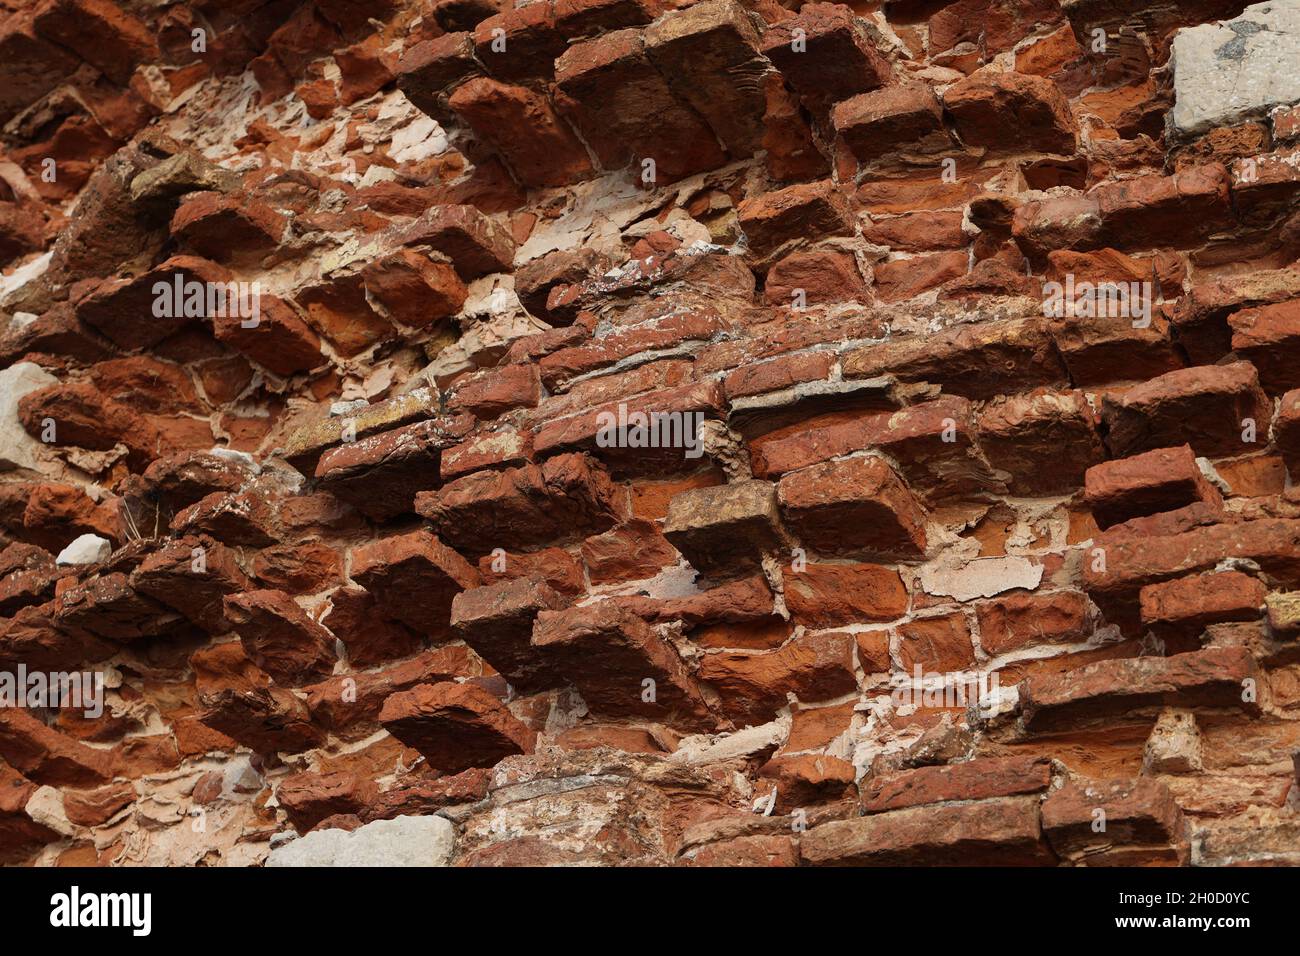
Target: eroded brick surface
(645, 433)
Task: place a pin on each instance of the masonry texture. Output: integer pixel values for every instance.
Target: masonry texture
(644, 432)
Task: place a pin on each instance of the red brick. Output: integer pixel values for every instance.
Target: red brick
(497, 621)
(529, 505)
(1208, 678)
(523, 127)
(999, 832)
(1044, 441)
(414, 577)
(777, 374)
(904, 117)
(1186, 606)
(830, 595)
(276, 339)
(531, 42)
(99, 32)
(838, 58)
(631, 552)
(826, 278)
(1266, 336)
(1025, 620)
(279, 637)
(752, 687)
(959, 358)
(475, 244)
(703, 49)
(1162, 480)
(497, 391)
(1011, 113)
(853, 506)
(413, 289)
(977, 779)
(626, 112)
(1139, 811)
(1131, 562)
(608, 653)
(1179, 210)
(1204, 407)
(455, 726)
(429, 67)
(727, 529)
(936, 644)
(777, 220)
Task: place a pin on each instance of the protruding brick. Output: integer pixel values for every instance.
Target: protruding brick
(1215, 677)
(778, 220)
(904, 118)
(752, 687)
(276, 339)
(610, 654)
(1269, 337)
(414, 577)
(1043, 441)
(1024, 620)
(1186, 606)
(520, 44)
(428, 68)
(280, 638)
(455, 726)
(497, 621)
(1011, 113)
(415, 290)
(1179, 210)
(1161, 480)
(999, 832)
(192, 575)
(836, 57)
(532, 504)
(959, 358)
(725, 529)
(475, 244)
(523, 127)
(1139, 811)
(854, 506)
(1212, 408)
(626, 112)
(709, 52)
(380, 475)
(978, 779)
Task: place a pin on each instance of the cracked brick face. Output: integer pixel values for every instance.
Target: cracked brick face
(591, 421)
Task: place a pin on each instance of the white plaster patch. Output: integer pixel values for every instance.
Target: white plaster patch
(983, 577)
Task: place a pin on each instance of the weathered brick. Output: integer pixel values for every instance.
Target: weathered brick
(726, 529)
(1000, 832)
(752, 687)
(1043, 441)
(609, 654)
(414, 577)
(829, 595)
(977, 779)
(455, 726)
(1210, 678)
(835, 59)
(1161, 480)
(529, 505)
(1209, 408)
(1011, 113)
(1186, 606)
(1138, 811)
(853, 506)
(497, 621)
